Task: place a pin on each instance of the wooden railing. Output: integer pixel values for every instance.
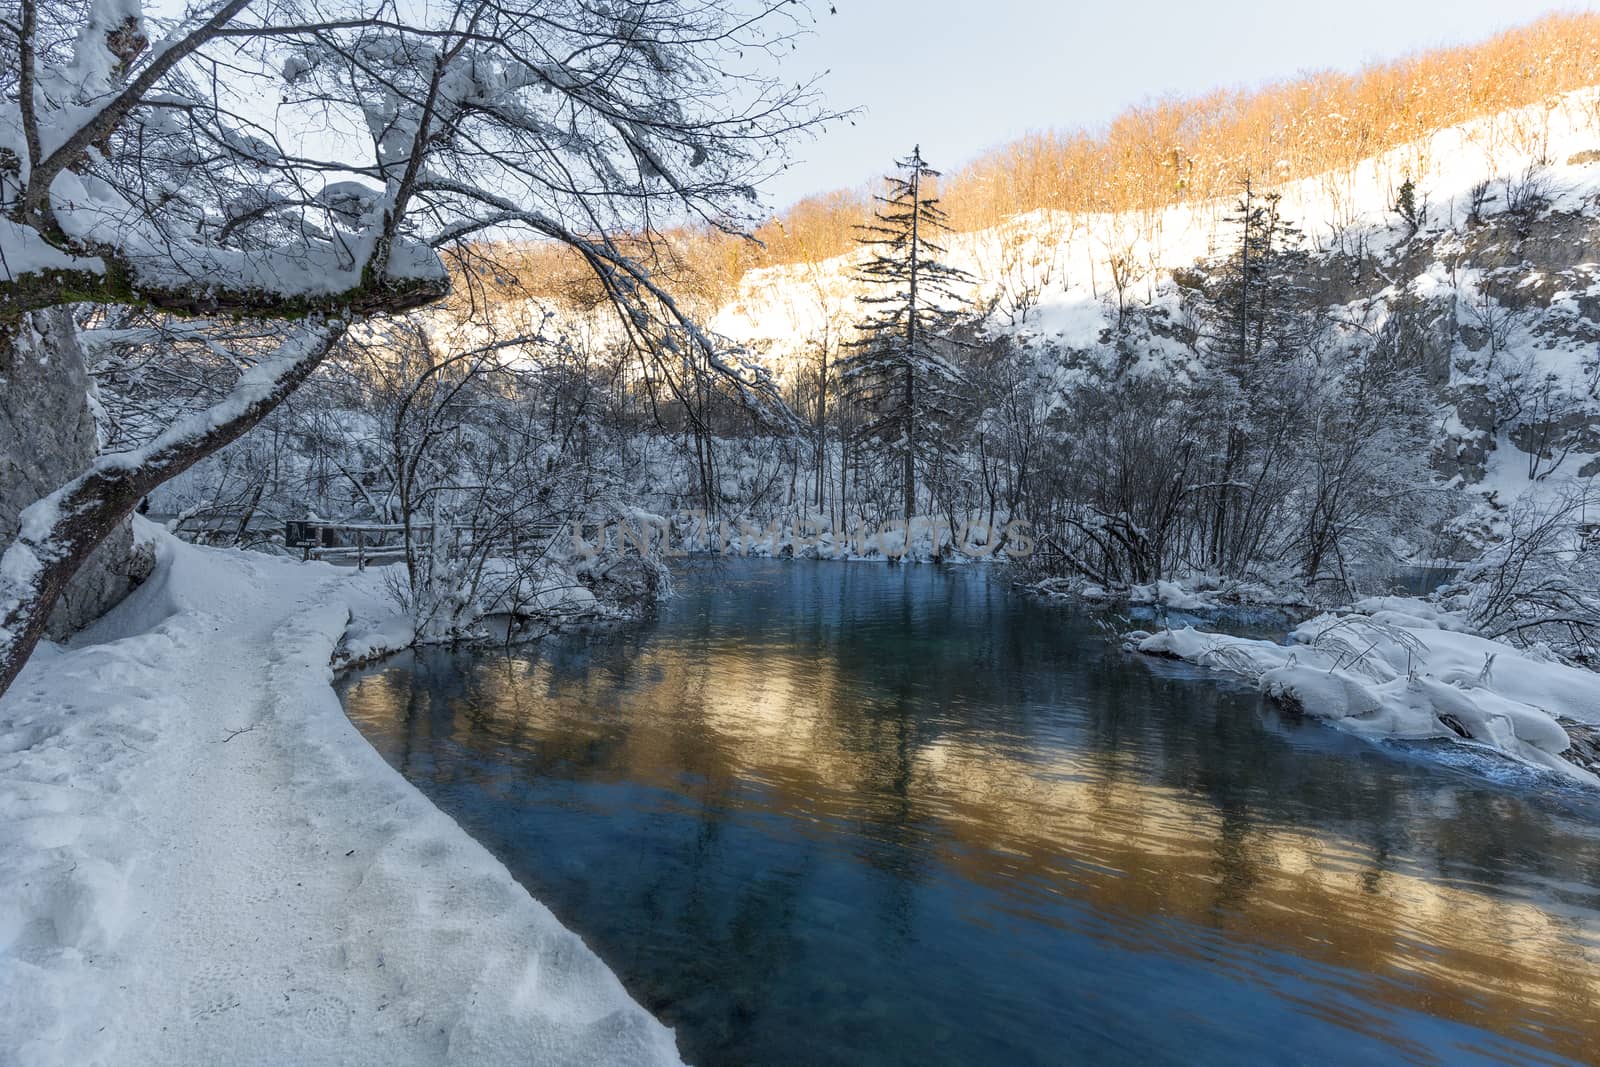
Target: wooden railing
(362, 543)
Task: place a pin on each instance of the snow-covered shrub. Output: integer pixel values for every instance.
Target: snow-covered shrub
(1527, 192)
(1540, 585)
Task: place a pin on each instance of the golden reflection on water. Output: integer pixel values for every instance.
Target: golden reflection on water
(821, 744)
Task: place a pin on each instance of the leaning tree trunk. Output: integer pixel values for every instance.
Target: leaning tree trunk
(57, 535)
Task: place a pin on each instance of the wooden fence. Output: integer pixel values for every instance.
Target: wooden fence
(361, 543)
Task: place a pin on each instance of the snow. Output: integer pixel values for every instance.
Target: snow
(21, 252)
(1076, 320)
(1169, 594)
(201, 860)
(1204, 593)
(1402, 668)
(1049, 274)
(93, 70)
(91, 212)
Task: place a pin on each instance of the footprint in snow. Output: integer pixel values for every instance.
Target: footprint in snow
(210, 992)
(314, 1013)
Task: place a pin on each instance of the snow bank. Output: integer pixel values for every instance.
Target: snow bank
(1401, 668)
(1201, 594)
(814, 535)
(201, 860)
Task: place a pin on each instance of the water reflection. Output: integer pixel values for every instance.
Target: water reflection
(824, 813)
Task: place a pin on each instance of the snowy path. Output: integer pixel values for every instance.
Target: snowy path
(175, 891)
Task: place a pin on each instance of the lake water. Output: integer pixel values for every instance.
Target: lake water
(827, 813)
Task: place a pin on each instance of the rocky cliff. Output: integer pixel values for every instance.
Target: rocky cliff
(47, 435)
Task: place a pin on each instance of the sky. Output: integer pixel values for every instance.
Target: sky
(959, 76)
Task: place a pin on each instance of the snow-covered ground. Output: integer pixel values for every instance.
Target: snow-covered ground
(1398, 667)
(202, 861)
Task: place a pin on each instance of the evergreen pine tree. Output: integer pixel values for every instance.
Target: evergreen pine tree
(1408, 208)
(1256, 301)
(899, 370)
(1258, 319)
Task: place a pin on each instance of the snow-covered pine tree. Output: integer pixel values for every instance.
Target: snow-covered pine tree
(899, 370)
(1257, 319)
(1256, 303)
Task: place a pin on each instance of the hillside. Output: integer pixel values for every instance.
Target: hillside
(1168, 152)
(1495, 291)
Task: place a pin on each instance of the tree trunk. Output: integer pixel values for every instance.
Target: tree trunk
(909, 474)
(47, 435)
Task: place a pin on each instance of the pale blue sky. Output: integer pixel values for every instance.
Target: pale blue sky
(962, 75)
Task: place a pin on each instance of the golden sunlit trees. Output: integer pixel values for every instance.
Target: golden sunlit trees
(1172, 151)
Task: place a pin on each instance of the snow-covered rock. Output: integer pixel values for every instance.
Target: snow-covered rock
(47, 436)
(1401, 668)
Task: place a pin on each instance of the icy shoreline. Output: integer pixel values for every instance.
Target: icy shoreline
(1398, 667)
(202, 861)
(1198, 595)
